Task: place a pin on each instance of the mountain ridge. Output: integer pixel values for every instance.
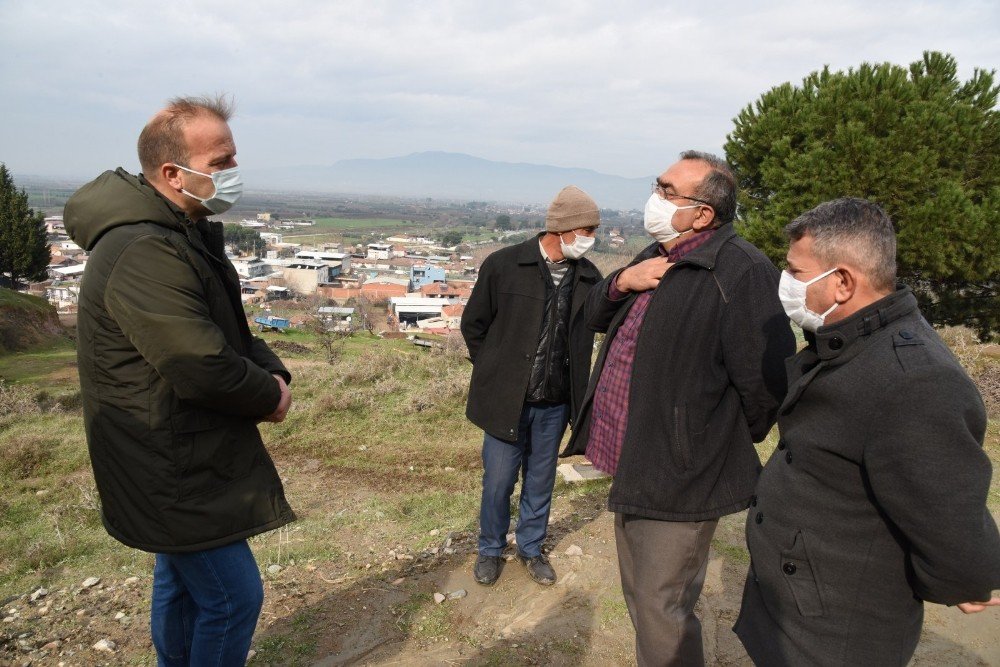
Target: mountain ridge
(442, 174)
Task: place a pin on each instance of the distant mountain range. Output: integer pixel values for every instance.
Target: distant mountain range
(453, 176)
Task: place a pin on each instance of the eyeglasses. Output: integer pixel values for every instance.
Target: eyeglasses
(661, 191)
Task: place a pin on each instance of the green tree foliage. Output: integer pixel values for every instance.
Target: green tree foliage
(449, 239)
(24, 248)
(244, 240)
(503, 222)
(918, 141)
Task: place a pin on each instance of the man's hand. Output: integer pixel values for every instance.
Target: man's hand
(976, 607)
(283, 404)
(643, 276)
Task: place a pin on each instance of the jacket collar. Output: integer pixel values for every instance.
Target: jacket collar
(838, 338)
(704, 256)
(841, 341)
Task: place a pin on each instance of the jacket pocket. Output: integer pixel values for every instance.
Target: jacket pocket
(211, 450)
(687, 431)
(800, 576)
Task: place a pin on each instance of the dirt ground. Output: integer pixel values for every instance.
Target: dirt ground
(324, 613)
(582, 619)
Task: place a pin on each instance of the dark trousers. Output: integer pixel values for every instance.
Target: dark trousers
(662, 565)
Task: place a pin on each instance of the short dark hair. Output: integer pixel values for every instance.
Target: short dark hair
(718, 188)
(162, 140)
(855, 231)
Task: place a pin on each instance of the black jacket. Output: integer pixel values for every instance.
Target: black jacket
(874, 500)
(706, 383)
(172, 382)
(502, 325)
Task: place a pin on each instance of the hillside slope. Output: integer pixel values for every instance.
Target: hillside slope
(26, 321)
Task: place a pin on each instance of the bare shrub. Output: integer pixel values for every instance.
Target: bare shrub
(981, 367)
(25, 455)
(17, 400)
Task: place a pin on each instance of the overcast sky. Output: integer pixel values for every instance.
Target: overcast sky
(619, 87)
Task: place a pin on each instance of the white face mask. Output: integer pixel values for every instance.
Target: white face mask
(659, 218)
(228, 189)
(578, 248)
(792, 293)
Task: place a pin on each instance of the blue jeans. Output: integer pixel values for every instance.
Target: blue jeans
(205, 606)
(534, 456)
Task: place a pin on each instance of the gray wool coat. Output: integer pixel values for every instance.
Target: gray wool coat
(874, 500)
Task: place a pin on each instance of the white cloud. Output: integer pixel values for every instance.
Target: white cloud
(618, 87)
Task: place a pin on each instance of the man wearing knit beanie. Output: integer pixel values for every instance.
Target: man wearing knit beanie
(530, 353)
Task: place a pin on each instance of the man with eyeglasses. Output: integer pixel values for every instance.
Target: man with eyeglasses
(530, 353)
(690, 375)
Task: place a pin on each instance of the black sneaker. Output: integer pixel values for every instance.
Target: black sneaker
(539, 569)
(487, 569)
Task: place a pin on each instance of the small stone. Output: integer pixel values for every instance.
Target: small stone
(449, 551)
(439, 598)
(9, 619)
(40, 593)
(273, 569)
(90, 582)
(511, 538)
(449, 469)
(399, 581)
(363, 448)
(81, 612)
(132, 580)
(447, 543)
(250, 654)
(52, 645)
(119, 616)
(457, 595)
(42, 611)
(105, 645)
(574, 550)
(42, 492)
(435, 532)
(412, 468)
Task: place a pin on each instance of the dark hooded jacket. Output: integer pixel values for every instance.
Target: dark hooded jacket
(173, 383)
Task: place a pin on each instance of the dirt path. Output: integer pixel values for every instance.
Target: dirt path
(582, 620)
(325, 613)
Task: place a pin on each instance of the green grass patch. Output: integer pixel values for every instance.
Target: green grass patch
(422, 619)
(733, 552)
(17, 300)
(53, 365)
(613, 610)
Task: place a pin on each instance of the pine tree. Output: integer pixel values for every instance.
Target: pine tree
(917, 141)
(24, 250)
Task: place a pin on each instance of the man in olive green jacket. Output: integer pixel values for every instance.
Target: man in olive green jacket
(174, 384)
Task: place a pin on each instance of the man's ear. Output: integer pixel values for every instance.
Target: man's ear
(170, 175)
(704, 219)
(847, 284)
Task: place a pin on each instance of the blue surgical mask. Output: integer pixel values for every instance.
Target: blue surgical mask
(228, 189)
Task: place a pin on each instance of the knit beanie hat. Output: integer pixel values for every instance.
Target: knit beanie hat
(572, 209)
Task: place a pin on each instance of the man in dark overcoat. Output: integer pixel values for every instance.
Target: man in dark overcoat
(690, 375)
(531, 355)
(875, 498)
